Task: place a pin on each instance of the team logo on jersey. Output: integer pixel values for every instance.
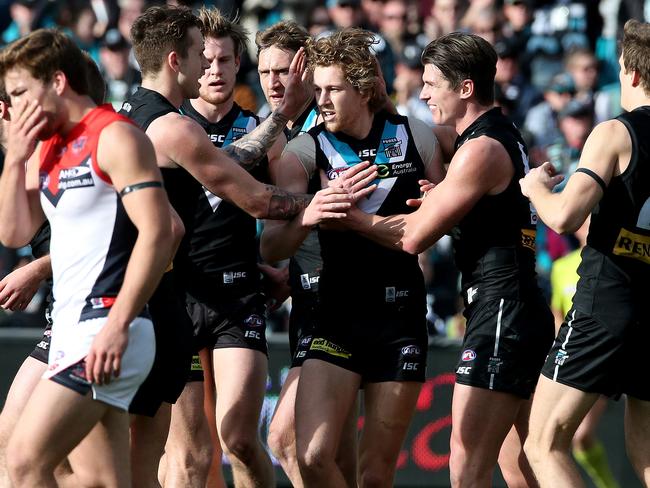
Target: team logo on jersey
(528, 238)
(306, 281)
(468, 355)
(78, 144)
(631, 245)
(392, 147)
(55, 183)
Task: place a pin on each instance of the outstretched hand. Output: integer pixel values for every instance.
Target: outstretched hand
(298, 93)
(544, 175)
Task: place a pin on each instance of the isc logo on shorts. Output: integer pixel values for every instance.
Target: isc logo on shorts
(464, 370)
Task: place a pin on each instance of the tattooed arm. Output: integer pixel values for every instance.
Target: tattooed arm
(251, 149)
(179, 142)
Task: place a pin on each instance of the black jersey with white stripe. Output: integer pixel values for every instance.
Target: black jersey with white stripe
(391, 147)
(143, 107)
(494, 243)
(616, 260)
(223, 246)
(306, 264)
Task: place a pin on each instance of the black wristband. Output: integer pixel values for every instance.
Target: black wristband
(139, 186)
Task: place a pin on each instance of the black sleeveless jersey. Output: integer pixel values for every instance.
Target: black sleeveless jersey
(494, 243)
(391, 147)
(615, 267)
(223, 247)
(306, 264)
(143, 107)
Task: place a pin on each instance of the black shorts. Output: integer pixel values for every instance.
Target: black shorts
(174, 347)
(42, 349)
(378, 339)
(505, 344)
(302, 323)
(234, 323)
(598, 358)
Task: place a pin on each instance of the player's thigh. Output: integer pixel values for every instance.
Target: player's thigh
(556, 413)
(325, 395)
(481, 419)
(22, 386)
(240, 379)
(54, 421)
(283, 421)
(388, 410)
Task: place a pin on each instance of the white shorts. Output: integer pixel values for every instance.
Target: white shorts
(69, 348)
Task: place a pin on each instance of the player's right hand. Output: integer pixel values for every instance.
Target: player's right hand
(26, 122)
(18, 288)
(425, 186)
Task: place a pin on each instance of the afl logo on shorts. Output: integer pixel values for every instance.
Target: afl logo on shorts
(468, 355)
(410, 351)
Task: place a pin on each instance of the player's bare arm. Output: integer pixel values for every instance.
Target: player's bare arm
(481, 166)
(250, 149)
(128, 164)
(20, 209)
(180, 140)
(606, 153)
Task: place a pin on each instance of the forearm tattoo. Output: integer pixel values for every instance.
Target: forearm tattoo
(251, 149)
(284, 205)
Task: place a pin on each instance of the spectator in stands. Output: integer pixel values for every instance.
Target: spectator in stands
(575, 122)
(445, 17)
(513, 85)
(122, 79)
(408, 84)
(541, 120)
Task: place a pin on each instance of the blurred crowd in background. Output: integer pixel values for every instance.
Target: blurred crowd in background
(557, 76)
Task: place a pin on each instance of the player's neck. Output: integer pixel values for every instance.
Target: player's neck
(362, 125)
(76, 108)
(472, 112)
(165, 87)
(212, 113)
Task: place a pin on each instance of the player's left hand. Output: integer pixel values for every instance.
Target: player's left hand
(298, 93)
(544, 175)
(104, 359)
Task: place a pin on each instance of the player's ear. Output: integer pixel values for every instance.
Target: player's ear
(466, 89)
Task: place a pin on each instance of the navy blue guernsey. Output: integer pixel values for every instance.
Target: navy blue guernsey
(494, 243)
(354, 260)
(223, 246)
(143, 107)
(615, 267)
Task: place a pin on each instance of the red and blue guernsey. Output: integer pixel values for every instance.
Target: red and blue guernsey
(92, 236)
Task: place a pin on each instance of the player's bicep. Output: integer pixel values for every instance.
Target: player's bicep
(32, 187)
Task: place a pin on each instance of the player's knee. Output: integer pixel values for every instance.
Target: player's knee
(23, 464)
(281, 443)
(313, 462)
(242, 448)
(376, 475)
(193, 455)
